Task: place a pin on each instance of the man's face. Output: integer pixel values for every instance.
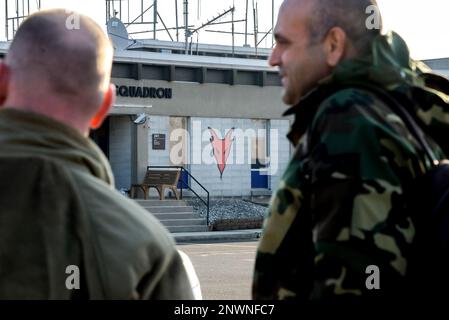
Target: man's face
(301, 63)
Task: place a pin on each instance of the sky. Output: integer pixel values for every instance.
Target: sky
(423, 24)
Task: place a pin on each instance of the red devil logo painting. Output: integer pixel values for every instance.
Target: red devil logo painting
(221, 148)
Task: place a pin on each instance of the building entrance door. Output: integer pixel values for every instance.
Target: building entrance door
(259, 177)
(101, 137)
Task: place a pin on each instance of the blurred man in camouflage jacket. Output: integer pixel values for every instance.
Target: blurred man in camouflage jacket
(339, 214)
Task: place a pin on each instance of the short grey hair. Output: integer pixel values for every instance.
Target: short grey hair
(350, 15)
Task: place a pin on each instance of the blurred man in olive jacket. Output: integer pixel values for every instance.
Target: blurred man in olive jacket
(65, 233)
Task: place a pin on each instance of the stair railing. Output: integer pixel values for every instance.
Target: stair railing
(206, 201)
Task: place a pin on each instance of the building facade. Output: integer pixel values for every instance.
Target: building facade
(219, 117)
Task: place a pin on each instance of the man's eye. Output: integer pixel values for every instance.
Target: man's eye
(281, 42)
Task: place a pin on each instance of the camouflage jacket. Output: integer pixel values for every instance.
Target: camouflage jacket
(340, 206)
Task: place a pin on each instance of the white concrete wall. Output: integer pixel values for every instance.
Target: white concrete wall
(120, 150)
(282, 147)
(236, 178)
(158, 125)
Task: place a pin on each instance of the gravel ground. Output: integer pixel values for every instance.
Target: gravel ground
(223, 209)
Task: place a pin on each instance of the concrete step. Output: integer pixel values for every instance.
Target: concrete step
(168, 209)
(175, 215)
(178, 215)
(184, 222)
(174, 229)
(261, 192)
(163, 203)
(234, 235)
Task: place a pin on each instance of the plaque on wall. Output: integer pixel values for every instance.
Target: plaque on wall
(158, 141)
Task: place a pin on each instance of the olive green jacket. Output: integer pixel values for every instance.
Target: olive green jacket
(58, 209)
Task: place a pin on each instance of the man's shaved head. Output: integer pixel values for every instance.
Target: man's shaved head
(314, 36)
(72, 61)
(71, 65)
(350, 15)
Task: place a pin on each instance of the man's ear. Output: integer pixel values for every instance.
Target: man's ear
(107, 103)
(4, 82)
(335, 45)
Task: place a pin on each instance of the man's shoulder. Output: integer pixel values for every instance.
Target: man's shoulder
(128, 239)
(113, 215)
(34, 176)
(358, 105)
(346, 98)
(96, 198)
(100, 195)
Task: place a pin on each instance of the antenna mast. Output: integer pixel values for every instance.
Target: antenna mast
(22, 10)
(146, 25)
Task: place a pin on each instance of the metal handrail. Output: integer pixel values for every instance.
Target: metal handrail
(206, 203)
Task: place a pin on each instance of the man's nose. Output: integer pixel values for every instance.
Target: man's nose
(274, 57)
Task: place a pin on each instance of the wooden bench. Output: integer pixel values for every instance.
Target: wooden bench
(159, 179)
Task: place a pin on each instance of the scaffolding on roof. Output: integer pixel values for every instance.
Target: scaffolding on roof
(148, 17)
(15, 12)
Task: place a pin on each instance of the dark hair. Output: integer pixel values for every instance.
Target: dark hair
(350, 15)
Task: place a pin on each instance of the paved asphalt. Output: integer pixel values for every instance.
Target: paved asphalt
(224, 268)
